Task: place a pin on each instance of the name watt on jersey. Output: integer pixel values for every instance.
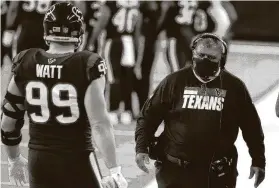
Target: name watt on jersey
(48, 71)
(212, 100)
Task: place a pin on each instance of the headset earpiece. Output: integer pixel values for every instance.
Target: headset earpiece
(214, 37)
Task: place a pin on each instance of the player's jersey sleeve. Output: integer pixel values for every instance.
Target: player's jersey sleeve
(96, 67)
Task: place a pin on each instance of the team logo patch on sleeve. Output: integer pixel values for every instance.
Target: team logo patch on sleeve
(204, 98)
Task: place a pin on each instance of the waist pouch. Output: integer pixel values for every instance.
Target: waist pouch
(223, 173)
(221, 166)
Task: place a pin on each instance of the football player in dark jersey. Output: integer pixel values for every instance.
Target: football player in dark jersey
(122, 20)
(91, 16)
(26, 18)
(184, 20)
(63, 95)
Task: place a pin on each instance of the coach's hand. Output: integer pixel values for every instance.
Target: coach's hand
(18, 170)
(142, 159)
(259, 175)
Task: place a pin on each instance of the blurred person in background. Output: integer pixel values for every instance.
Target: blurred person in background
(122, 22)
(65, 111)
(196, 148)
(6, 51)
(25, 17)
(5, 44)
(91, 15)
(230, 9)
(153, 16)
(186, 19)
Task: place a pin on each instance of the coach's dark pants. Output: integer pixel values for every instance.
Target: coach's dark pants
(57, 170)
(170, 175)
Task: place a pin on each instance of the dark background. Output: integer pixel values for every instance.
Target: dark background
(257, 20)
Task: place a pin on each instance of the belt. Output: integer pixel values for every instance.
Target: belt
(179, 162)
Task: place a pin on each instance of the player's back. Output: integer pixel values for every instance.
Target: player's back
(54, 87)
(124, 16)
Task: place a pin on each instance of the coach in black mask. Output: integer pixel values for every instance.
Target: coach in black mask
(202, 107)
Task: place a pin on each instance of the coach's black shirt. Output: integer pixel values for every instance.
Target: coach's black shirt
(195, 113)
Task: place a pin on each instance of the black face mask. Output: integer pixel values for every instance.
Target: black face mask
(205, 68)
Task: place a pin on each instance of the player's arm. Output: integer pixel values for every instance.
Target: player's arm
(165, 7)
(10, 23)
(12, 15)
(101, 23)
(97, 113)
(228, 6)
(138, 40)
(220, 16)
(12, 120)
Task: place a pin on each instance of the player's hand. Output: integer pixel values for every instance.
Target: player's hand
(7, 39)
(142, 159)
(108, 182)
(259, 175)
(18, 171)
(119, 179)
(90, 47)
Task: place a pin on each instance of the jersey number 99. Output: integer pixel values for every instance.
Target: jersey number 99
(55, 95)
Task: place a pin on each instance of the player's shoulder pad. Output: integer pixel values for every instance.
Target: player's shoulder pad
(24, 53)
(96, 66)
(20, 55)
(17, 60)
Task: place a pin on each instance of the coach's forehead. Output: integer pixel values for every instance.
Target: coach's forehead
(209, 47)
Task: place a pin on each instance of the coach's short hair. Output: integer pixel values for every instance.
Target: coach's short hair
(209, 43)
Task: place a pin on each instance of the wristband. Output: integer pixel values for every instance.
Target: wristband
(10, 160)
(115, 170)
